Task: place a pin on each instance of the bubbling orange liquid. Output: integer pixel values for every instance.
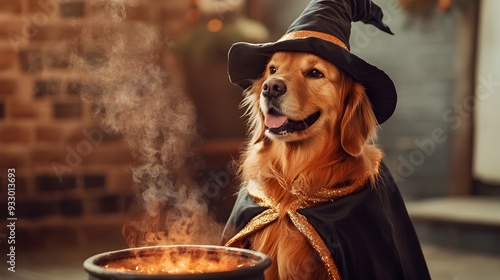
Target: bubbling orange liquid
(177, 265)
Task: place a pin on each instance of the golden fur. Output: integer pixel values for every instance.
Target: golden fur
(335, 151)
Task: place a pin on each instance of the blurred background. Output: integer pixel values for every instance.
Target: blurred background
(74, 184)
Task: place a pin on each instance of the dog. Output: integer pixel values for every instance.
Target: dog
(316, 196)
(312, 127)
(312, 131)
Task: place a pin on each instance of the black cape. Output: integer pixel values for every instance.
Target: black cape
(368, 233)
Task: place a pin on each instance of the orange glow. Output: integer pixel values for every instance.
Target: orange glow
(444, 4)
(176, 262)
(214, 25)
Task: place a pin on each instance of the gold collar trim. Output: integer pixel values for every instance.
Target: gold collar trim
(301, 223)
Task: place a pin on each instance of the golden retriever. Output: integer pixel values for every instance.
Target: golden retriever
(311, 128)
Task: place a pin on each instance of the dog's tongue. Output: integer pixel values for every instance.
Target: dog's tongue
(273, 121)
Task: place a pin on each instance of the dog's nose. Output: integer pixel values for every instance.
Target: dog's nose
(273, 88)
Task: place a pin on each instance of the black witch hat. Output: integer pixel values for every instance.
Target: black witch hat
(323, 29)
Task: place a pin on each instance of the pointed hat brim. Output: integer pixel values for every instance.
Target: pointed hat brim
(247, 62)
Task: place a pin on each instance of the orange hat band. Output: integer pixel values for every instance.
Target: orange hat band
(306, 33)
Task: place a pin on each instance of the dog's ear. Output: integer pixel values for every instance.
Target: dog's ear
(358, 121)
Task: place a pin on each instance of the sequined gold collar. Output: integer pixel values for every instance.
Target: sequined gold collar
(300, 221)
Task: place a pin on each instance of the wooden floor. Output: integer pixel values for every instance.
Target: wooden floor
(66, 264)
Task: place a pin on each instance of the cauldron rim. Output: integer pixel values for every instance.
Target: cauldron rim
(92, 268)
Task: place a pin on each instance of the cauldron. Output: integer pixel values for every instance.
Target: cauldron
(182, 262)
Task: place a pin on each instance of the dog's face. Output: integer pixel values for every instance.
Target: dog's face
(298, 95)
(301, 95)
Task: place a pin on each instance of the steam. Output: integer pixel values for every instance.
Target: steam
(132, 96)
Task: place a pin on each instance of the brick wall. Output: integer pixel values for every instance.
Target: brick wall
(71, 174)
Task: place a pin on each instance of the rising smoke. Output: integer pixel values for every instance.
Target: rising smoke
(132, 97)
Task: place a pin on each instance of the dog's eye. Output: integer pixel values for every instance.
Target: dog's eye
(315, 73)
(272, 70)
